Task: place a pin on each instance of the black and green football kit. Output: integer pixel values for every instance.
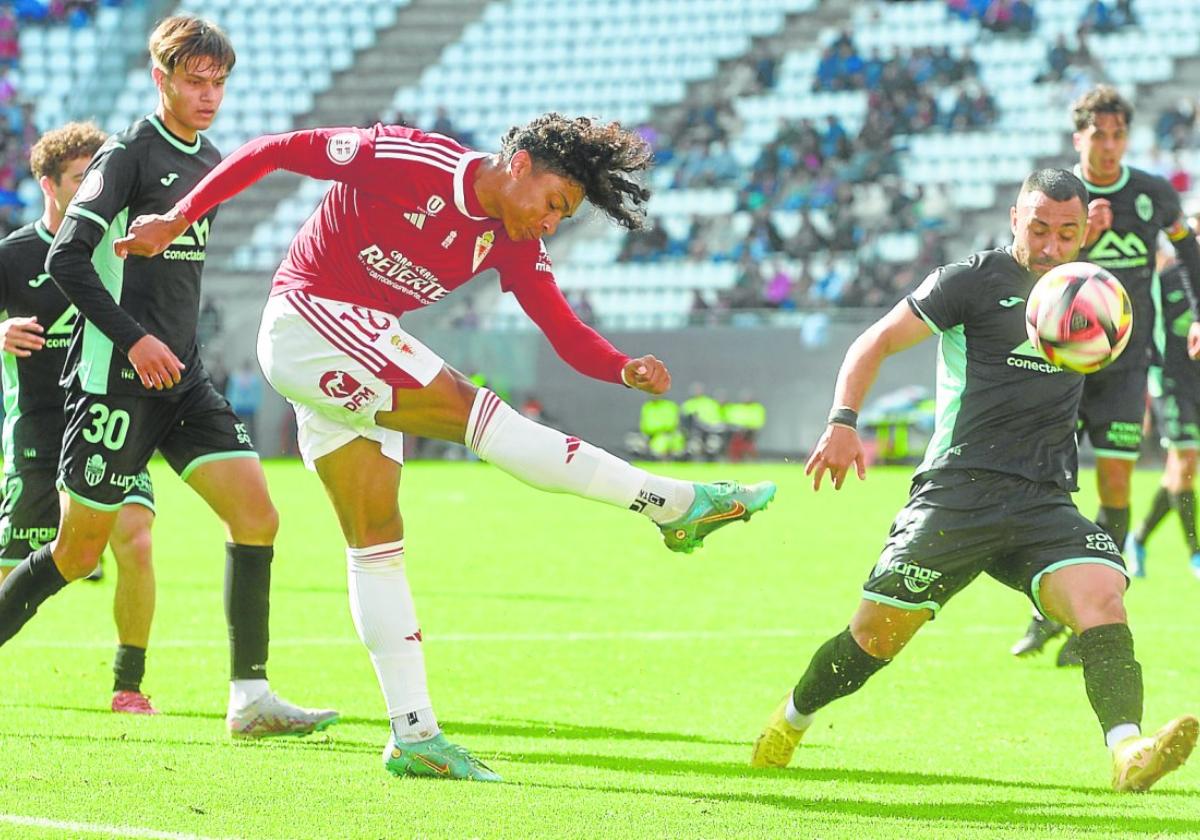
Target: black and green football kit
(33, 400)
(114, 423)
(1174, 376)
(1114, 399)
(993, 492)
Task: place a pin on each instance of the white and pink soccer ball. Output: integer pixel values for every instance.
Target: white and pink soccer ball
(1079, 317)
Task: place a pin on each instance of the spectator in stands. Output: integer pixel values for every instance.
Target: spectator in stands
(1024, 18)
(582, 304)
(1179, 176)
(1058, 59)
(1175, 125)
(646, 245)
(1097, 18)
(699, 312)
(10, 43)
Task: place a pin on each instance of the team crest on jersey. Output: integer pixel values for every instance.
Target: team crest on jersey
(435, 205)
(91, 187)
(342, 147)
(94, 470)
(1144, 207)
(483, 244)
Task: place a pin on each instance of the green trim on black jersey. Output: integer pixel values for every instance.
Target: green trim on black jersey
(40, 229)
(1111, 188)
(97, 352)
(12, 408)
(83, 213)
(951, 382)
(172, 139)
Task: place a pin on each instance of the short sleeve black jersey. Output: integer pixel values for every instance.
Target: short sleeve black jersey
(1001, 405)
(33, 399)
(1142, 205)
(144, 169)
(1174, 371)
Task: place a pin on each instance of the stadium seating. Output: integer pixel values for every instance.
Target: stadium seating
(615, 59)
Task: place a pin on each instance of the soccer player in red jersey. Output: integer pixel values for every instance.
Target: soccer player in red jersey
(410, 217)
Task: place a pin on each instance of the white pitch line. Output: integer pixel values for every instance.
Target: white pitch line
(101, 828)
(574, 636)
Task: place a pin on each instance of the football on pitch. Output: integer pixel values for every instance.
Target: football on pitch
(1079, 317)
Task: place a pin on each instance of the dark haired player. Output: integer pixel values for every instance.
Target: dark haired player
(411, 217)
(123, 404)
(1175, 390)
(37, 326)
(1128, 208)
(992, 495)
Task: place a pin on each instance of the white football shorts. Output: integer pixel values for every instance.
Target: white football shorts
(338, 364)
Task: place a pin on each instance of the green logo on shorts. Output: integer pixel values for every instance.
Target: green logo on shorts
(93, 471)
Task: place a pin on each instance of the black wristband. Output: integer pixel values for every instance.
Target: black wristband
(843, 416)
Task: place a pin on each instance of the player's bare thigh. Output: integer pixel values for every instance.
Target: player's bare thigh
(439, 410)
(362, 484)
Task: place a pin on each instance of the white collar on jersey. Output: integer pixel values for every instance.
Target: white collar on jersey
(460, 172)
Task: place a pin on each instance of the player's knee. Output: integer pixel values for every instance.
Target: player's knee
(78, 559)
(132, 550)
(881, 641)
(257, 525)
(1099, 607)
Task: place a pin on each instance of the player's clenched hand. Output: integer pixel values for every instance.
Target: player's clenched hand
(149, 236)
(155, 364)
(1100, 219)
(647, 374)
(1193, 340)
(838, 448)
(21, 336)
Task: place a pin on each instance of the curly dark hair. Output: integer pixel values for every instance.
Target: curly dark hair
(1102, 99)
(55, 149)
(598, 156)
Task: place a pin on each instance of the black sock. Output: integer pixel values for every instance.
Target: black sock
(1116, 522)
(1159, 508)
(247, 608)
(1185, 505)
(24, 590)
(129, 667)
(839, 667)
(1112, 676)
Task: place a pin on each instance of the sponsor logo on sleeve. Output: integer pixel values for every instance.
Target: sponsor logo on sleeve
(342, 147)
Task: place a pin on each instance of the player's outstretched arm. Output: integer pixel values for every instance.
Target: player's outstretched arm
(21, 336)
(840, 447)
(304, 152)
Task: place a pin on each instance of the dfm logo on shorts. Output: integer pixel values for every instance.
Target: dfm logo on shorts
(342, 386)
(916, 578)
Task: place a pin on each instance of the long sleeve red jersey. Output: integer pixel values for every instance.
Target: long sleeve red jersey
(401, 228)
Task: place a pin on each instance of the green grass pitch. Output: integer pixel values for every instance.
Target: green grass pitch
(616, 686)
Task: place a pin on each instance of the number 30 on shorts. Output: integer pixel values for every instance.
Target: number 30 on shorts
(108, 427)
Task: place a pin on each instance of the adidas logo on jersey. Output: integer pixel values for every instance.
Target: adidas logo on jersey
(417, 219)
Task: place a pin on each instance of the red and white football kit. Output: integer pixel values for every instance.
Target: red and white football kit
(400, 229)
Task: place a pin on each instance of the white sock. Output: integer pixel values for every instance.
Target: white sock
(1120, 732)
(382, 607)
(549, 460)
(244, 692)
(797, 720)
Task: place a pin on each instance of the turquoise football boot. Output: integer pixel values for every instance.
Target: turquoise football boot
(715, 506)
(436, 757)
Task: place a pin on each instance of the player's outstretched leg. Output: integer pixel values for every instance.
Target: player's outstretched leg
(685, 512)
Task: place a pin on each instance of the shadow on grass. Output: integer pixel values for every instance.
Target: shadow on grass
(999, 814)
(677, 767)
